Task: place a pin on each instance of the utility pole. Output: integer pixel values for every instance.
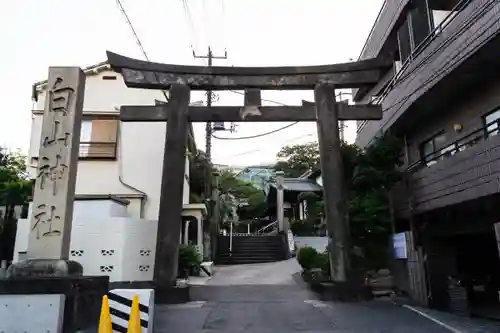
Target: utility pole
(212, 189)
(208, 129)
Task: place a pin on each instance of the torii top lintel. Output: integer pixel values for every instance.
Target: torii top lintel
(152, 75)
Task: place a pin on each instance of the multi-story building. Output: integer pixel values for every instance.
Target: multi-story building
(118, 185)
(442, 97)
(121, 159)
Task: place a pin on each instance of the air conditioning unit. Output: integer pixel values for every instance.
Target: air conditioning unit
(218, 126)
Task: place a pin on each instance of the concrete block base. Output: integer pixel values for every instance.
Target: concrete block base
(82, 297)
(31, 313)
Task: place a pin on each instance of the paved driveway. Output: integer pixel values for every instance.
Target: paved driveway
(265, 298)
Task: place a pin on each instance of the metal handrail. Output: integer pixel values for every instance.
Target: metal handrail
(97, 149)
(430, 37)
(231, 239)
(455, 147)
(260, 231)
(462, 4)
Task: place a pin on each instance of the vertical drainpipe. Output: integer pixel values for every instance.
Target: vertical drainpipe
(120, 176)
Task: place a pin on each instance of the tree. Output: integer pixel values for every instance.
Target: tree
(251, 201)
(15, 189)
(298, 159)
(199, 171)
(368, 177)
(376, 172)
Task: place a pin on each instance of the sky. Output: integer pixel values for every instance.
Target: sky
(36, 34)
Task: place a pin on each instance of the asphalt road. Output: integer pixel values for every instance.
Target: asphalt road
(266, 298)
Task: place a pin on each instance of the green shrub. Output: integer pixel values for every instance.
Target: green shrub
(189, 259)
(306, 257)
(323, 262)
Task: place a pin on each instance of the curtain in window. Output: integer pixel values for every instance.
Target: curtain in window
(85, 137)
(98, 138)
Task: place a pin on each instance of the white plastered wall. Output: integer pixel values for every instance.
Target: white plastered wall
(139, 153)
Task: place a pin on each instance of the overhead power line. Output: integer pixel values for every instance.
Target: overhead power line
(465, 25)
(131, 26)
(273, 131)
(189, 19)
(439, 50)
(449, 65)
(261, 149)
(137, 39)
(257, 135)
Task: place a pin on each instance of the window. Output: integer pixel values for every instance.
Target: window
(423, 17)
(431, 149)
(98, 138)
(414, 29)
(491, 122)
(442, 12)
(404, 41)
(420, 25)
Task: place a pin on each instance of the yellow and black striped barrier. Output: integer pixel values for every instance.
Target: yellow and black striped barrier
(134, 321)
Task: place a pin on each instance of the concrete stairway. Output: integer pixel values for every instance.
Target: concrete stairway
(250, 250)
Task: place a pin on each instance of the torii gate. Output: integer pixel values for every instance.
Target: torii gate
(180, 80)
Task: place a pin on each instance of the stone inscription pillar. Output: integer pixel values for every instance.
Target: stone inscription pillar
(52, 215)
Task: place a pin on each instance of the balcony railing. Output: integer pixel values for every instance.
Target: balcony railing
(402, 71)
(97, 150)
(456, 146)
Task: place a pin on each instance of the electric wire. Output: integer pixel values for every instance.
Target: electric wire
(485, 8)
(449, 65)
(261, 149)
(188, 16)
(191, 26)
(257, 135)
(466, 25)
(136, 36)
(270, 132)
(399, 78)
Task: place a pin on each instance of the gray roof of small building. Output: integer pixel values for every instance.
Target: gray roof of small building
(300, 185)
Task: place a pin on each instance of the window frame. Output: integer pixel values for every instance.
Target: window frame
(429, 159)
(496, 122)
(90, 156)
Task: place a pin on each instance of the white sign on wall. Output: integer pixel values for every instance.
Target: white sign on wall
(399, 246)
(291, 242)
